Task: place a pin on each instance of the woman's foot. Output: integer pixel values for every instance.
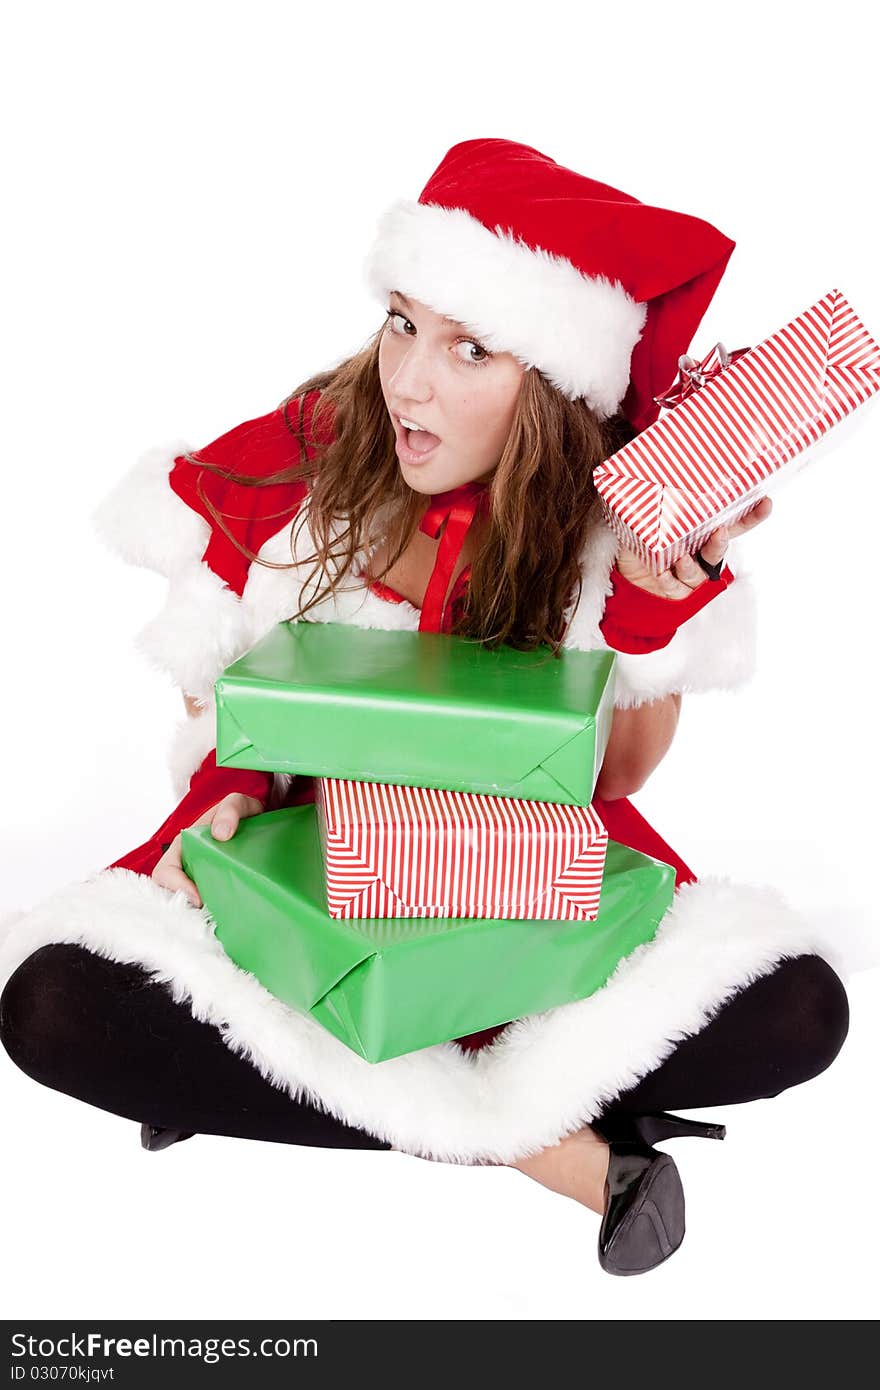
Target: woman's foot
(613, 1168)
(576, 1167)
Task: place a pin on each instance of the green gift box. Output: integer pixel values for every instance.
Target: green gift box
(418, 709)
(387, 986)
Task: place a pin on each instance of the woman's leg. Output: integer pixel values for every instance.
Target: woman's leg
(107, 1034)
(778, 1032)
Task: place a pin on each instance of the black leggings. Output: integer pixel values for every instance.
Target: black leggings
(107, 1034)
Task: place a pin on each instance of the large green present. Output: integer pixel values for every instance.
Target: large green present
(386, 986)
(418, 709)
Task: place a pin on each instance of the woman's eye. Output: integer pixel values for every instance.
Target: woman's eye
(392, 314)
(471, 347)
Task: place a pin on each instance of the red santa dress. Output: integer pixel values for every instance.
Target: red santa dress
(494, 1095)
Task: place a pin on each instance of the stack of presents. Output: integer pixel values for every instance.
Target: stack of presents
(452, 874)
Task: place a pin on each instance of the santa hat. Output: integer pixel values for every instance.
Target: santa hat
(598, 291)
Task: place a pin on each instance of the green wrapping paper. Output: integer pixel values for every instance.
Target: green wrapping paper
(385, 987)
(418, 709)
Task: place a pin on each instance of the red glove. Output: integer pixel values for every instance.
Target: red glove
(208, 785)
(636, 620)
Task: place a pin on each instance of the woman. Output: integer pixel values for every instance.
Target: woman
(441, 479)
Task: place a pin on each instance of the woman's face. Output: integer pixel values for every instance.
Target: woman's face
(435, 375)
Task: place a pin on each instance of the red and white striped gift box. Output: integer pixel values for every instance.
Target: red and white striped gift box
(417, 852)
(706, 461)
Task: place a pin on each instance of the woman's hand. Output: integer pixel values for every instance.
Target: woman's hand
(223, 820)
(686, 575)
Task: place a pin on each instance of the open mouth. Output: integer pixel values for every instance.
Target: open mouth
(414, 446)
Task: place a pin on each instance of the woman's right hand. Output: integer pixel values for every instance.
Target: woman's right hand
(223, 820)
(685, 575)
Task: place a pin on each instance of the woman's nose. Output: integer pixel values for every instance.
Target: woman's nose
(412, 380)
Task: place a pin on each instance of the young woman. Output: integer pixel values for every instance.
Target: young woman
(441, 479)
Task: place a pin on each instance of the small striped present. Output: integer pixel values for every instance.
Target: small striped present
(736, 430)
(397, 851)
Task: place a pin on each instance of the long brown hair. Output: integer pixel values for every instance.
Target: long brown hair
(526, 575)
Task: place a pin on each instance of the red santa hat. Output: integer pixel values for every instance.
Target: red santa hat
(598, 291)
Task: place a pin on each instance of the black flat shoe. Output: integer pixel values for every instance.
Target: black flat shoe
(643, 1221)
(155, 1138)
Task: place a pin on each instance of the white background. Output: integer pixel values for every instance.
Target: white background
(190, 190)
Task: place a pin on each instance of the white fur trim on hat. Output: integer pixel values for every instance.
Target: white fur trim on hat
(578, 330)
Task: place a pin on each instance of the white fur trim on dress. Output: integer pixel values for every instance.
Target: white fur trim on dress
(578, 330)
(203, 625)
(145, 522)
(544, 1076)
(193, 740)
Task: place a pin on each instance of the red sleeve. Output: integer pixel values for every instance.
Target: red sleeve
(256, 448)
(635, 620)
(208, 785)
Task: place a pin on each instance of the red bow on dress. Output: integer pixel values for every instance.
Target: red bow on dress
(451, 513)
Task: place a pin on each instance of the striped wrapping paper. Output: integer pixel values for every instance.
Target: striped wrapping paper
(392, 851)
(705, 462)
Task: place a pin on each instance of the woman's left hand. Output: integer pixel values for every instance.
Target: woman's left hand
(686, 575)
